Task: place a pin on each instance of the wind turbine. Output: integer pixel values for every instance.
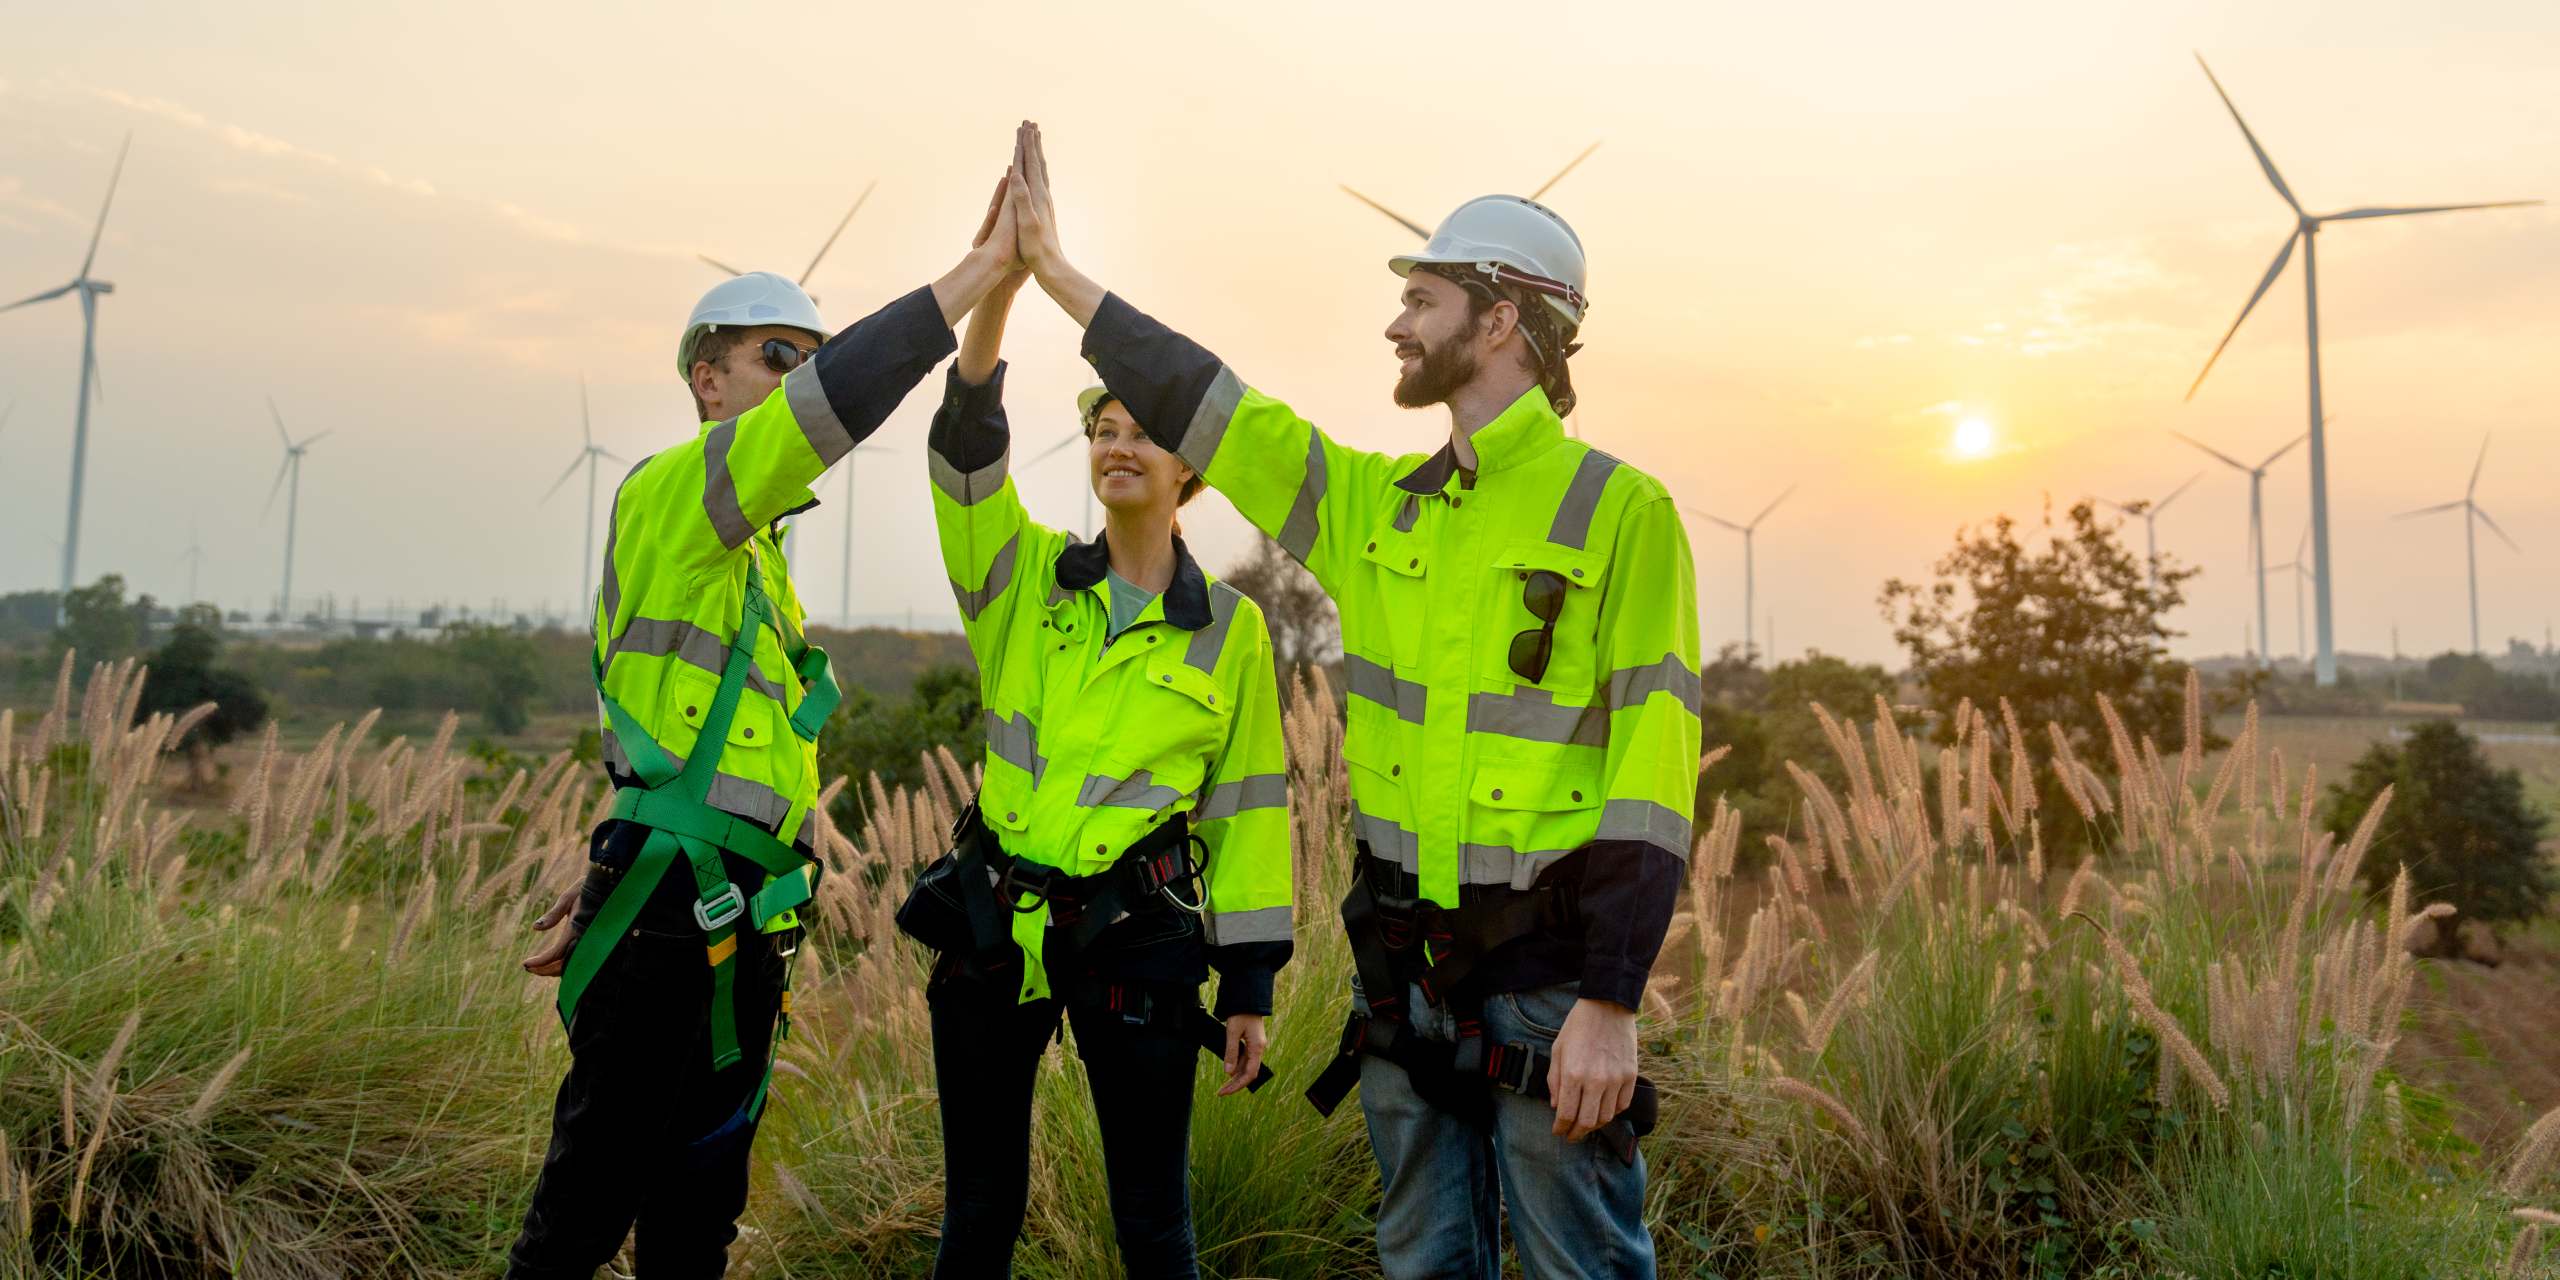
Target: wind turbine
(293, 503)
(2150, 513)
(2301, 574)
(2470, 540)
(2257, 524)
(1073, 438)
(2305, 231)
(1422, 232)
(588, 457)
(820, 255)
(89, 290)
(845, 587)
(1748, 570)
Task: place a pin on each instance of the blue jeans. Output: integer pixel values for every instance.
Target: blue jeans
(1576, 1213)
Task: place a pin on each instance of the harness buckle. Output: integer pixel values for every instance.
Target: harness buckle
(720, 908)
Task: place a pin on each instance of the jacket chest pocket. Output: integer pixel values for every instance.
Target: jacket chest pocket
(1541, 612)
(1400, 581)
(1170, 725)
(690, 693)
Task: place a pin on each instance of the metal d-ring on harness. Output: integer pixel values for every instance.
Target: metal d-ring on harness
(1398, 941)
(673, 803)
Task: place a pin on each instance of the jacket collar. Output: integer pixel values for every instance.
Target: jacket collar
(1522, 432)
(1186, 600)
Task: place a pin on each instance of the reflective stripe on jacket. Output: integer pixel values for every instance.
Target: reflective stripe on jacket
(684, 525)
(1092, 741)
(1464, 769)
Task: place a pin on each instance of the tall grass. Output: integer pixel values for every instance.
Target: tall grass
(292, 1040)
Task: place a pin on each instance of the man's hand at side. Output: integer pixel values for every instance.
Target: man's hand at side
(1591, 1076)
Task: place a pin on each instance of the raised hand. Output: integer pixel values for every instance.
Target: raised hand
(1035, 223)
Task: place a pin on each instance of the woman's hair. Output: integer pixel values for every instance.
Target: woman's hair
(1190, 488)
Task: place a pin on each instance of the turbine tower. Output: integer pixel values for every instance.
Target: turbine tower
(2257, 525)
(2150, 513)
(1748, 569)
(1424, 233)
(586, 457)
(845, 586)
(2470, 539)
(293, 502)
(2305, 231)
(90, 290)
(2301, 574)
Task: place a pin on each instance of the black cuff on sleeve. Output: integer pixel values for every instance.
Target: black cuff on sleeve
(969, 427)
(871, 365)
(1629, 891)
(1160, 375)
(1245, 973)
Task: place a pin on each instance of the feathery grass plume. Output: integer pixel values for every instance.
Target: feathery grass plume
(70, 1126)
(215, 1088)
(2137, 991)
(2191, 752)
(2066, 768)
(2527, 1250)
(2278, 782)
(2534, 1154)
(1851, 991)
(2538, 1217)
(1951, 810)
(1978, 775)
(1795, 1090)
(105, 1075)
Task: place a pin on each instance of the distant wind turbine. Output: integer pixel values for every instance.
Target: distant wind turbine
(1422, 232)
(2150, 513)
(2470, 540)
(587, 457)
(1076, 437)
(1748, 569)
(845, 587)
(815, 258)
(89, 289)
(2257, 524)
(2301, 574)
(293, 502)
(2305, 233)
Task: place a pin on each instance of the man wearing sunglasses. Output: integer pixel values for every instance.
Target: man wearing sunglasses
(675, 966)
(1520, 646)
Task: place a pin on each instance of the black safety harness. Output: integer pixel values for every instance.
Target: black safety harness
(1400, 942)
(990, 883)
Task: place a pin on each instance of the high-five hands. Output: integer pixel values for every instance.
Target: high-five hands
(1034, 217)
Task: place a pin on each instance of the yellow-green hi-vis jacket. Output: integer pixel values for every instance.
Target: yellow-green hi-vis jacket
(687, 521)
(1465, 772)
(1092, 741)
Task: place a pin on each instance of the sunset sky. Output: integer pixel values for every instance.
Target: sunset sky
(1821, 237)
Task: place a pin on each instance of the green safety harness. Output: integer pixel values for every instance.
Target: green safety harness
(672, 802)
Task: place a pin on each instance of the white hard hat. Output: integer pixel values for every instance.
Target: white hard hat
(756, 298)
(1514, 241)
(1090, 400)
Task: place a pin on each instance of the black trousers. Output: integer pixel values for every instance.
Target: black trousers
(986, 1059)
(644, 1130)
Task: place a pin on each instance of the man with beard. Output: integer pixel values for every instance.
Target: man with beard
(1520, 643)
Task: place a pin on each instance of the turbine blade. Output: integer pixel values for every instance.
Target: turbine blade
(840, 226)
(1715, 519)
(2227, 459)
(2428, 511)
(2261, 152)
(1773, 505)
(2481, 461)
(2389, 211)
(2288, 448)
(2493, 528)
(2163, 504)
(309, 441)
(608, 453)
(278, 415)
(278, 486)
(1043, 455)
(2283, 256)
(1560, 173)
(46, 296)
(2125, 507)
(564, 479)
(100, 230)
(719, 265)
(1401, 220)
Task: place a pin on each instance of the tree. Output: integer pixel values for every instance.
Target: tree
(2046, 627)
(183, 677)
(1767, 720)
(870, 734)
(504, 674)
(100, 625)
(2461, 826)
(1305, 631)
